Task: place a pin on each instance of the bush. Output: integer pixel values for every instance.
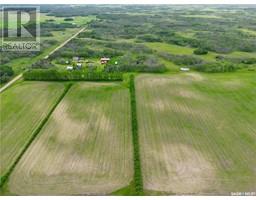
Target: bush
(139, 63)
(200, 51)
(6, 73)
(182, 59)
(249, 61)
(216, 67)
(61, 61)
(42, 64)
(149, 38)
(68, 19)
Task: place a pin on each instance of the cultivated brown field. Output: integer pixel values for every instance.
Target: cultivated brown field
(197, 133)
(22, 108)
(85, 147)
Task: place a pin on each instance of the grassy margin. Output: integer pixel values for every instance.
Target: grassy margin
(138, 180)
(4, 178)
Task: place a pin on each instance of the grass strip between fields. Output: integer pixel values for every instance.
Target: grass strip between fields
(4, 178)
(138, 180)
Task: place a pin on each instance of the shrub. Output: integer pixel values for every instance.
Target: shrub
(6, 73)
(216, 67)
(200, 51)
(182, 59)
(149, 38)
(249, 61)
(139, 63)
(68, 19)
(43, 64)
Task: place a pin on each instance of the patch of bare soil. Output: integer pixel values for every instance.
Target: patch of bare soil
(195, 76)
(233, 84)
(183, 171)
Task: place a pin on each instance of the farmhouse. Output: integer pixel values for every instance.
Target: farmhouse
(79, 65)
(75, 58)
(104, 60)
(69, 68)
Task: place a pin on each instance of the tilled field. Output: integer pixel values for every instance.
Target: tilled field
(197, 132)
(22, 108)
(84, 148)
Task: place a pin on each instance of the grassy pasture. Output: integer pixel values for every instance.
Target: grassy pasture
(170, 48)
(197, 132)
(84, 148)
(22, 108)
(178, 50)
(248, 31)
(187, 33)
(240, 54)
(203, 16)
(79, 20)
(12, 22)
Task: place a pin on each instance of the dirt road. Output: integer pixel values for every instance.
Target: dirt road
(10, 82)
(61, 45)
(56, 49)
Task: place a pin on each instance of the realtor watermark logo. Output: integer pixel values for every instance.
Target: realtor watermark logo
(20, 28)
(243, 193)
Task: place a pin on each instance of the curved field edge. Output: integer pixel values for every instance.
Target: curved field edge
(18, 102)
(197, 133)
(85, 148)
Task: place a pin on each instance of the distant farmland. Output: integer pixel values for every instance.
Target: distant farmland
(22, 109)
(197, 132)
(84, 148)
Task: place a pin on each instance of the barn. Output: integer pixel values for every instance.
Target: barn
(104, 60)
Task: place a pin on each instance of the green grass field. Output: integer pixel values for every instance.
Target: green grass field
(84, 148)
(22, 108)
(197, 132)
(179, 50)
(248, 31)
(79, 20)
(12, 22)
(203, 16)
(240, 54)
